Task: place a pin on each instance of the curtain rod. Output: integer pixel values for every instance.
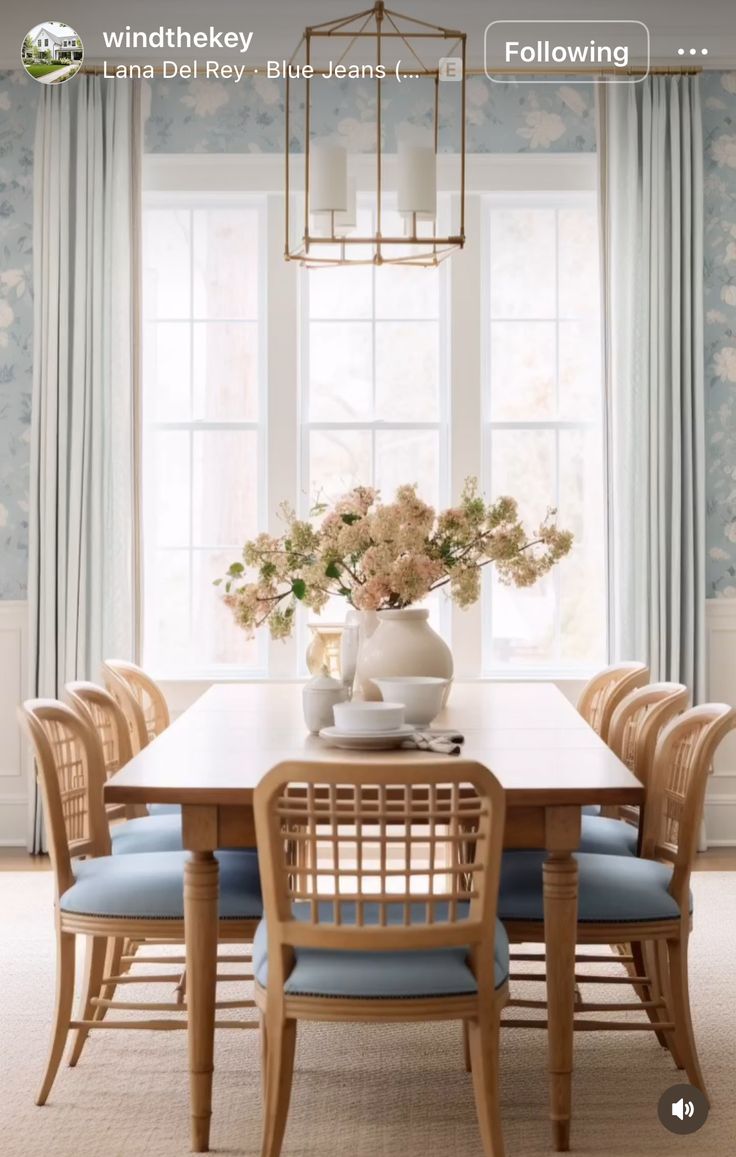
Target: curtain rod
(94, 69)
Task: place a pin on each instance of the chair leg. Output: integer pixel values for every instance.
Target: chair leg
(483, 1037)
(466, 1047)
(664, 986)
(65, 947)
(94, 970)
(681, 1009)
(281, 1045)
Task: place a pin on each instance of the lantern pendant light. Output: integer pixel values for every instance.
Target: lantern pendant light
(358, 203)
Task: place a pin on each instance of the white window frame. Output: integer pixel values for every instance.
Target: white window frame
(555, 200)
(283, 457)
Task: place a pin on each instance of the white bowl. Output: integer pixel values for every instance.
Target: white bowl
(373, 716)
(422, 695)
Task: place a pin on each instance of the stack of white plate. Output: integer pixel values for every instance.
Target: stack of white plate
(367, 726)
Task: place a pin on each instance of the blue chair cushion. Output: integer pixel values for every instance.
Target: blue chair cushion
(164, 809)
(151, 886)
(159, 833)
(590, 809)
(611, 888)
(608, 837)
(379, 975)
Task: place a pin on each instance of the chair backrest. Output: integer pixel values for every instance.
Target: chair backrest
(676, 796)
(388, 856)
(637, 721)
(602, 695)
(71, 774)
(141, 699)
(98, 707)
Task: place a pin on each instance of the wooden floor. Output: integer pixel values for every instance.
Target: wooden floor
(18, 860)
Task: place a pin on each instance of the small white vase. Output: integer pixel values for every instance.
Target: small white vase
(399, 643)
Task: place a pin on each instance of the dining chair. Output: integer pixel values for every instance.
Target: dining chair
(634, 730)
(145, 707)
(630, 899)
(379, 885)
(602, 694)
(136, 898)
(144, 832)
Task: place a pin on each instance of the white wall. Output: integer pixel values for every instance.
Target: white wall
(720, 813)
(13, 763)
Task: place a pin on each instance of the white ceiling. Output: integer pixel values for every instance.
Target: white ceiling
(278, 24)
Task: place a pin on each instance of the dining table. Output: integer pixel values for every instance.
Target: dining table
(549, 761)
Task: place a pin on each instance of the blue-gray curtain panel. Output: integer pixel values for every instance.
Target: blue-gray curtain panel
(82, 558)
(651, 170)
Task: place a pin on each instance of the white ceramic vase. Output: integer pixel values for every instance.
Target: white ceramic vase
(399, 643)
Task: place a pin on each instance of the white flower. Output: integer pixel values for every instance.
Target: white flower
(478, 91)
(727, 593)
(14, 279)
(357, 136)
(728, 294)
(206, 97)
(7, 317)
(573, 98)
(713, 102)
(268, 90)
(728, 81)
(719, 554)
(730, 254)
(715, 317)
(3, 515)
(724, 364)
(542, 128)
(4, 101)
(723, 151)
(730, 531)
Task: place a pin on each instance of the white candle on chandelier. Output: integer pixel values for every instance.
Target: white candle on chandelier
(417, 184)
(328, 178)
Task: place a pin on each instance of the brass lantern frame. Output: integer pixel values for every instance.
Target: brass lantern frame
(380, 24)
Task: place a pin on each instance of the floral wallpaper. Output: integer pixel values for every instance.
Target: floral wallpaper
(719, 126)
(210, 116)
(205, 116)
(17, 126)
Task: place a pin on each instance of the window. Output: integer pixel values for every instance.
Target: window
(374, 380)
(266, 383)
(544, 434)
(203, 423)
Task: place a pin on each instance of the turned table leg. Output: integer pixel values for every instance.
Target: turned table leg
(560, 933)
(201, 926)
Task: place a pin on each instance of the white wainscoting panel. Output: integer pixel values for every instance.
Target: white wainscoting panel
(720, 807)
(13, 754)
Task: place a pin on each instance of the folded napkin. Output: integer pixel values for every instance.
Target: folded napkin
(441, 742)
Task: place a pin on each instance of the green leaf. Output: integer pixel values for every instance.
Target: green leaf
(299, 588)
(217, 582)
(236, 568)
(345, 592)
(332, 571)
(349, 519)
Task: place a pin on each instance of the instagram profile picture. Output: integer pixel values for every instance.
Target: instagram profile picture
(52, 52)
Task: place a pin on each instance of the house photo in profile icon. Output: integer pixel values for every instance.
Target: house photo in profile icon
(52, 52)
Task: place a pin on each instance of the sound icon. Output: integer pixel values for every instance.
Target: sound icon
(683, 1108)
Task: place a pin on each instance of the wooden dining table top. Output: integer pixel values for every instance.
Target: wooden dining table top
(528, 734)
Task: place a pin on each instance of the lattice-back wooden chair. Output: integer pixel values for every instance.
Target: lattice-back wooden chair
(142, 832)
(105, 715)
(634, 730)
(141, 699)
(102, 897)
(389, 916)
(646, 899)
(145, 707)
(602, 695)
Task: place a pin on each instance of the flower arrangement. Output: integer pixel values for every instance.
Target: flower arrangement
(385, 556)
